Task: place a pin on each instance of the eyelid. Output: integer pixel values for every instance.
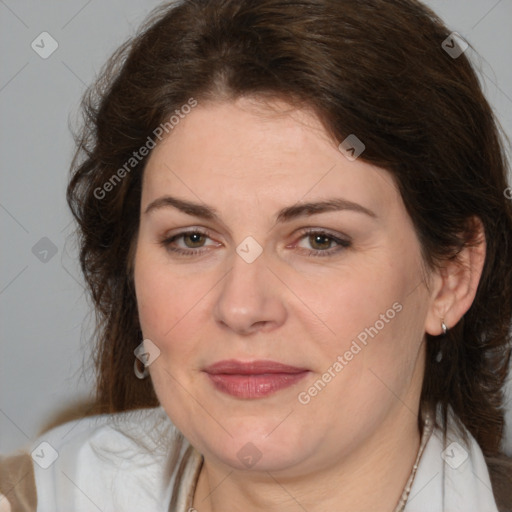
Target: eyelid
(187, 230)
(167, 239)
(324, 231)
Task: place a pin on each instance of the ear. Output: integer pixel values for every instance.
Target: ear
(454, 285)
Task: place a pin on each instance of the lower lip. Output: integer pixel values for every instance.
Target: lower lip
(254, 386)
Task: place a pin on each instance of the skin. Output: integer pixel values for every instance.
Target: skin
(248, 160)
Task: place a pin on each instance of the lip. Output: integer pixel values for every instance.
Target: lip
(253, 379)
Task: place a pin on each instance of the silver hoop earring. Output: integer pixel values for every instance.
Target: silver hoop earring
(139, 374)
(445, 329)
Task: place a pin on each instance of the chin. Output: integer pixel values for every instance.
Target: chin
(252, 450)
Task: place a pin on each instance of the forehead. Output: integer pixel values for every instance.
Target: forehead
(249, 149)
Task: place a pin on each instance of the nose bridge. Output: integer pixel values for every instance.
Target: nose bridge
(249, 295)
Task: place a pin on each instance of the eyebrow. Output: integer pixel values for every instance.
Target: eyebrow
(284, 215)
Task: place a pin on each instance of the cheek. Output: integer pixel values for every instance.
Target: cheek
(375, 323)
(368, 371)
(170, 305)
(156, 300)
(356, 304)
(153, 300)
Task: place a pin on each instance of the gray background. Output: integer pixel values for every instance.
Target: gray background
(45, 316)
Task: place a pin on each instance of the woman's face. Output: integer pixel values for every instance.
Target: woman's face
(343, 308)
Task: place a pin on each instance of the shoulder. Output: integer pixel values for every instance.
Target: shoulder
(454, 474)
(498, 468)
(119, 460)
(139, 429)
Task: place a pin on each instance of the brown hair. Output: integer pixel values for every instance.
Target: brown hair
(374, 68)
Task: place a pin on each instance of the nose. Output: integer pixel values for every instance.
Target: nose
(251, 298)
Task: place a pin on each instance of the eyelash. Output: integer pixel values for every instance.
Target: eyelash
(342, 244)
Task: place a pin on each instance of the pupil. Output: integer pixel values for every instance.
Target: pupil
(194, 237)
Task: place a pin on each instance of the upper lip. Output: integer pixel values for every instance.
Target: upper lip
(234, 367)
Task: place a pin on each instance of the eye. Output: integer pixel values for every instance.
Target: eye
(193, 240)
(322, 243)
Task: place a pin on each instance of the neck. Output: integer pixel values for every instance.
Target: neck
(382, 465)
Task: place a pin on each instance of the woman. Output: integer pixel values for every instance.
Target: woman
(295, 229)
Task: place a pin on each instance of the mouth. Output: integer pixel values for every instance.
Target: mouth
(254, 379)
